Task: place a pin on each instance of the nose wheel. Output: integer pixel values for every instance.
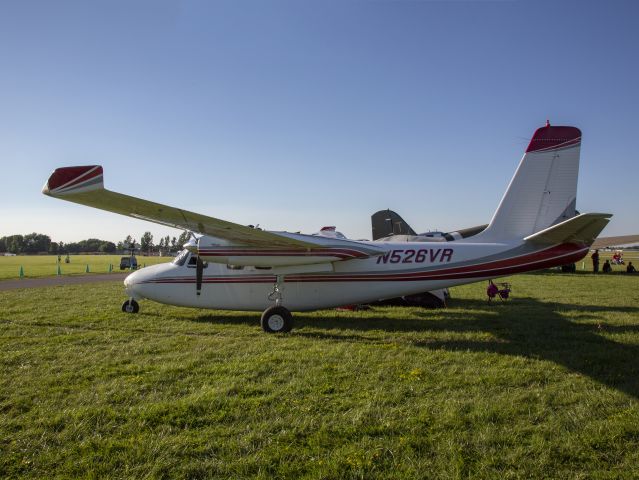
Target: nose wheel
(277, 319)
(130, 306)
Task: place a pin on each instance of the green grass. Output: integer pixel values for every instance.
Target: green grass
(35, 266)
(47, 265)
(544, 386)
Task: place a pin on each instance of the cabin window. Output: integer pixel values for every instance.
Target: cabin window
(181, 258)
(235, 267)
(262, 268)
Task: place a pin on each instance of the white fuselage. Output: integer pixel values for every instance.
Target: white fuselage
(405, 268)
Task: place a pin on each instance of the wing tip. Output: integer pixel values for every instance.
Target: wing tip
(75, 179)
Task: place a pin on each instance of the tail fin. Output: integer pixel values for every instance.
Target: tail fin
(386, 223)
(543, 190)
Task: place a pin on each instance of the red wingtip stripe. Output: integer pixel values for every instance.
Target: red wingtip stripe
(550, 137)
(68, 176)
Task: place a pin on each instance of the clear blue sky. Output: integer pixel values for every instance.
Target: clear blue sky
(297, 114)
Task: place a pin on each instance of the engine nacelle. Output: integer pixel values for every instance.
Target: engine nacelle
(261, 258)
(326, 249)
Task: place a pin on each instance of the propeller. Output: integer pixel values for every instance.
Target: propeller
(199, 269)
(192, 245)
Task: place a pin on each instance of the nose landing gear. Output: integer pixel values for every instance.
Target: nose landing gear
(130, 306)
(277, 319)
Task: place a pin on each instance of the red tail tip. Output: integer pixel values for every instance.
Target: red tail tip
(549, 138)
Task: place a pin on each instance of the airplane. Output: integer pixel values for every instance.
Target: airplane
(387, 225)
(236, 267)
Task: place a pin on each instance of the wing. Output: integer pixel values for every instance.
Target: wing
(85, 185)
(244, 245)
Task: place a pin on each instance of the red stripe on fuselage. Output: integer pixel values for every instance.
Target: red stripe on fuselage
(553, 256)
(447, 274)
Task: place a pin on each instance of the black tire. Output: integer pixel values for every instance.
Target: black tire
(276, 320)
(130, 306)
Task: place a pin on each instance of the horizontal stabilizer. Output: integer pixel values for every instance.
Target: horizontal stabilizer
(583, 228)
(387, 222)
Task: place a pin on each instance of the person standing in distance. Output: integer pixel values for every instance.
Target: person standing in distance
(595, 261)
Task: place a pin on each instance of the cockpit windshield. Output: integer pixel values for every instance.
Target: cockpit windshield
(181, 258)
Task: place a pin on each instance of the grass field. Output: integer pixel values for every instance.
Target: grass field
(544, 386)
(47, 265)
(35, 266)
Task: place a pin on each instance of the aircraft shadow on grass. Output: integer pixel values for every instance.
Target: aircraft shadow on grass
(525, 327)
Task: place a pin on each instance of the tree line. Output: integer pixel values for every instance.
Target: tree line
(147, 245)
(41, 243)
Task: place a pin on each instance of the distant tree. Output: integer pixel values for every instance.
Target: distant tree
(184, 237)
(167, 242)
(107, 247)
(146, 242)
(36, 243)
(90, 245)
(54, 248)
(126, 243)
(174, 245)
(14, 243)
(72, 247)
(39, 243)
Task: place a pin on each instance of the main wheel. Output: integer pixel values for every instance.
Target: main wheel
(130, 306)
(277, 320)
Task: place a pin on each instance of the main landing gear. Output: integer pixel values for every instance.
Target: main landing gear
(130, 306)
(277, 319)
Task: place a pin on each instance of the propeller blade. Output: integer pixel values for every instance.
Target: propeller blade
(199, 269)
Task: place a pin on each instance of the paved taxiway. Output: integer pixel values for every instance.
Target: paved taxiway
(61, 280)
